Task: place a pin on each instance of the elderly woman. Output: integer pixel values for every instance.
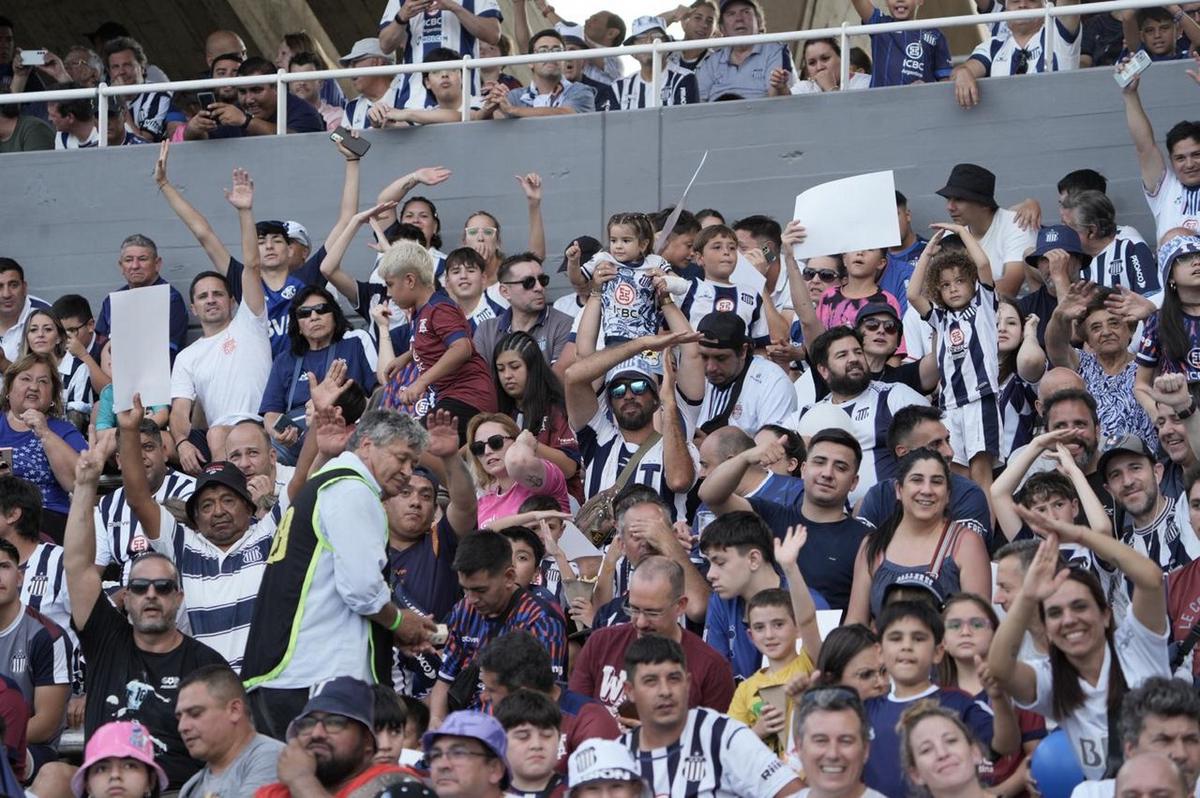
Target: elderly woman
(320, 334)
(43, 446)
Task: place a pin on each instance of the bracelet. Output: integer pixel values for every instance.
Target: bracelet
(396, 623)
(1188, 412)
(666, 300)
(1178, 15)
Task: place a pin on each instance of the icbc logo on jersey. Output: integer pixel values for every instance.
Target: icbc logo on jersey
(625, 294)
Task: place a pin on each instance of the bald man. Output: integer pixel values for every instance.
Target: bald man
(1055, 380)
(223, 42)
(756, 481)
(1150, 776)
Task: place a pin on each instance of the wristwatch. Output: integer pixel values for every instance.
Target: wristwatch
(1187, 412)
(246, 124)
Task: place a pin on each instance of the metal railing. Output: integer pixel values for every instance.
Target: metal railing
(842, 33)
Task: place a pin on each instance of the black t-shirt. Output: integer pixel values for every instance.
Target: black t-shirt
(827, 559)
(1042, 303)
(126, 683)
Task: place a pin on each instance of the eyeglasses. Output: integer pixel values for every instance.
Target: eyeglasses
(75, 329)
(976, 624)
(638, 387)
(889, 325)
(314, 310)
(825, 275)
(495, 443)
(332, 723)
(455, 754)
(529, 282)
(870, 673)
(1021, 62)
(486, 232)
(541, 50)
(649, 615)
(163, 587)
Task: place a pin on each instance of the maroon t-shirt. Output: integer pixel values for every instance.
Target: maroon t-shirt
(1183, 606)
(592, 723)
(436, 326)
(600, 671)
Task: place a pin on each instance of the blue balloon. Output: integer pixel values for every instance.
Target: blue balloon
(1055, 766)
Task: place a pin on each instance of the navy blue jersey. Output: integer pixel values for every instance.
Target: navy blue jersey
(911, 56)
(279, 302)
(1150, 352)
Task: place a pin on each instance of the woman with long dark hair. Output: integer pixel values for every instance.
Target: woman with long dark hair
(850, 655)
(920, 538)
(530, 393)
(1022, 364)
(1172, 333)
(319, 334)
(1093, 659)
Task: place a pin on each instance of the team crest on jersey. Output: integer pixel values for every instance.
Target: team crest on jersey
(251, 555)
(914, 50)
(737, 411)
(139, 544)
(1115, 267)
(861, 413)
(18, 662)
(229, 345)
(958, 341)
(695, 767)
(625, 294)
(288, 291)
(724, 305)
(37, 585)
(1193, 358)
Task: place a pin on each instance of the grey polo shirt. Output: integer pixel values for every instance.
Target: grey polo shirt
(577, 96)
(750, 80)
(552, 331)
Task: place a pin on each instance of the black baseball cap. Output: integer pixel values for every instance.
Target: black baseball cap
(220, 472)
(271, 227)
(875, 309)
(723, 329)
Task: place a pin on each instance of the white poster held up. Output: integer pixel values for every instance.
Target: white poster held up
(141, 340)
(847, 215)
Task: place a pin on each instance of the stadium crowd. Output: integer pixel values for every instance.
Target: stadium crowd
(717, 522)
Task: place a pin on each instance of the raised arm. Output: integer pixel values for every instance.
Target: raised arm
(397, 189)
(1031, 359)
(337, 245)
(138, 494)
(982, 264)
(462, 512)
(1150, 158)
(79, 540)
(787, 555)
(523, 464)
(531, 185)
(241, 197)
(486, 29)
(520, 26)
(1041, 580)
(1070, 308)
(718, 490)
(1071, 23)
(916, 284)
(349, 202)
(679, 470)
(864, 9)
(195, 221)
(806, 312)
(1009, 480)
(1171, 390)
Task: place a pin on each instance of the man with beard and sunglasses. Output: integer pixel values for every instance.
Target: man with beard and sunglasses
(838, 356)
(331, 747)
(135, 664)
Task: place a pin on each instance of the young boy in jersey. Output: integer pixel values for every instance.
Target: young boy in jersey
(528, 553)
(903, 57)
(532, 724)
(773, 631)
(910, 635)
(716, 248)
(442, 347)
(956, 295)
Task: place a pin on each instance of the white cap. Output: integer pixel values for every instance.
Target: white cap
(603, 760)
(297, 233)
(823, 416)
(364, 48)
(644, 24)
(569, 30)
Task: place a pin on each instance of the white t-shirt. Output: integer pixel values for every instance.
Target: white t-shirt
(1173, 205)
(1005, 241)
(228, 371)
(569, 304)
(857, 81)
(1142, 654)
(767, 397)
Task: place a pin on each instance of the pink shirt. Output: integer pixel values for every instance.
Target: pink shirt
(493, 505)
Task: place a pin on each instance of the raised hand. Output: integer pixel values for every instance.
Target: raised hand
(573, 252)
(431, 175)
(443, 434)
(1172, 390)
(950, 227)
(332, 431)
(381, 314)
(1194, 74)
(241, 196)
(788, 549)
(1079, 295)
(327, 391)
(160, 166)
(1044, 576)
(1048, 440)
(605, 271)
(1129, 305)
(668, 339)
(88, 467)
(768, 453)
(531, 184)
(794, 233)
(349, 156)
(370, 213)
(1046, 527)
(1031, 327)
(131, 419)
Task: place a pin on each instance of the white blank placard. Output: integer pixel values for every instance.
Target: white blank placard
(847, 215)
(141, 341)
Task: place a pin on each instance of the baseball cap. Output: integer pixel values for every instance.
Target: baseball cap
(1057, 236)
(823, 415)
(588, 247)
(271, 227)
(221, 472)
(638, 367)
(343, 695)
(916, 579)
(478, 726)
(121, 739)
(723, 329)
(297, 234)
(572, 34)
(365, 48)
(1174, 249)
(875, 309)
(422, 471)
(603, 760)
(1124, 444)
(645, 25)
(727, 3)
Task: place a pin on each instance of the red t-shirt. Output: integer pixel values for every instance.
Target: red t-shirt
(556, 433)
(600, 671)
(1183, 605)
(280, 790)
(15, 713)
(436, 326)
(593, 722)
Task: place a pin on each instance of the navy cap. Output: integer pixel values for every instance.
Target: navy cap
(271, 227)
(723, 329)
(1057, 236)
(875, 309)
(342, 695)
(221, 472)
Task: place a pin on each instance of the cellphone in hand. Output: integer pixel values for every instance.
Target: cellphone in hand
(283, 422)
(205, 98)
(357, 146)
(31, 58)
(1130, 69)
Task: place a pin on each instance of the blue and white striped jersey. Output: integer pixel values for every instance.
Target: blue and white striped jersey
(1173, 204)
(149, 110)
(430, 30)
(705, 296)
(68, 141)
(1127, 261)
(1001, 55)
(679, 87)
(119, 536)
(968, 352)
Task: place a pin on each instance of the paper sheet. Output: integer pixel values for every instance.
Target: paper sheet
(575, 544)
(141, 356)
(849, 214)
(746, 276)
(660, 243)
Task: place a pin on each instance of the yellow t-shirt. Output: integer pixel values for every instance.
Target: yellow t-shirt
(747, 706)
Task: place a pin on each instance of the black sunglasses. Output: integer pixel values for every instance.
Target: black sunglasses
(495, 443)
(638, 387)
(163, 587)
(313, 310)
(826, 275)
(1021, 64)
(889, 326)
(529, 282)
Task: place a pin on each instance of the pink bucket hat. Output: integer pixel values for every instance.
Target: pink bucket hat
(119, 739)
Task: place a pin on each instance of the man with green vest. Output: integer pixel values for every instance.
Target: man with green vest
(324, 608)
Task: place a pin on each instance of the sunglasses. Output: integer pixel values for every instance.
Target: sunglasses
(889, 326)
(495, 443)
(529, 282)
(163, 587)
(313, 310)
(825, 275)
(1021, 63)
(638, 387)
(976, 624)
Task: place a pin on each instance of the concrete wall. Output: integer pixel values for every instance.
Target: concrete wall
(63, 215)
